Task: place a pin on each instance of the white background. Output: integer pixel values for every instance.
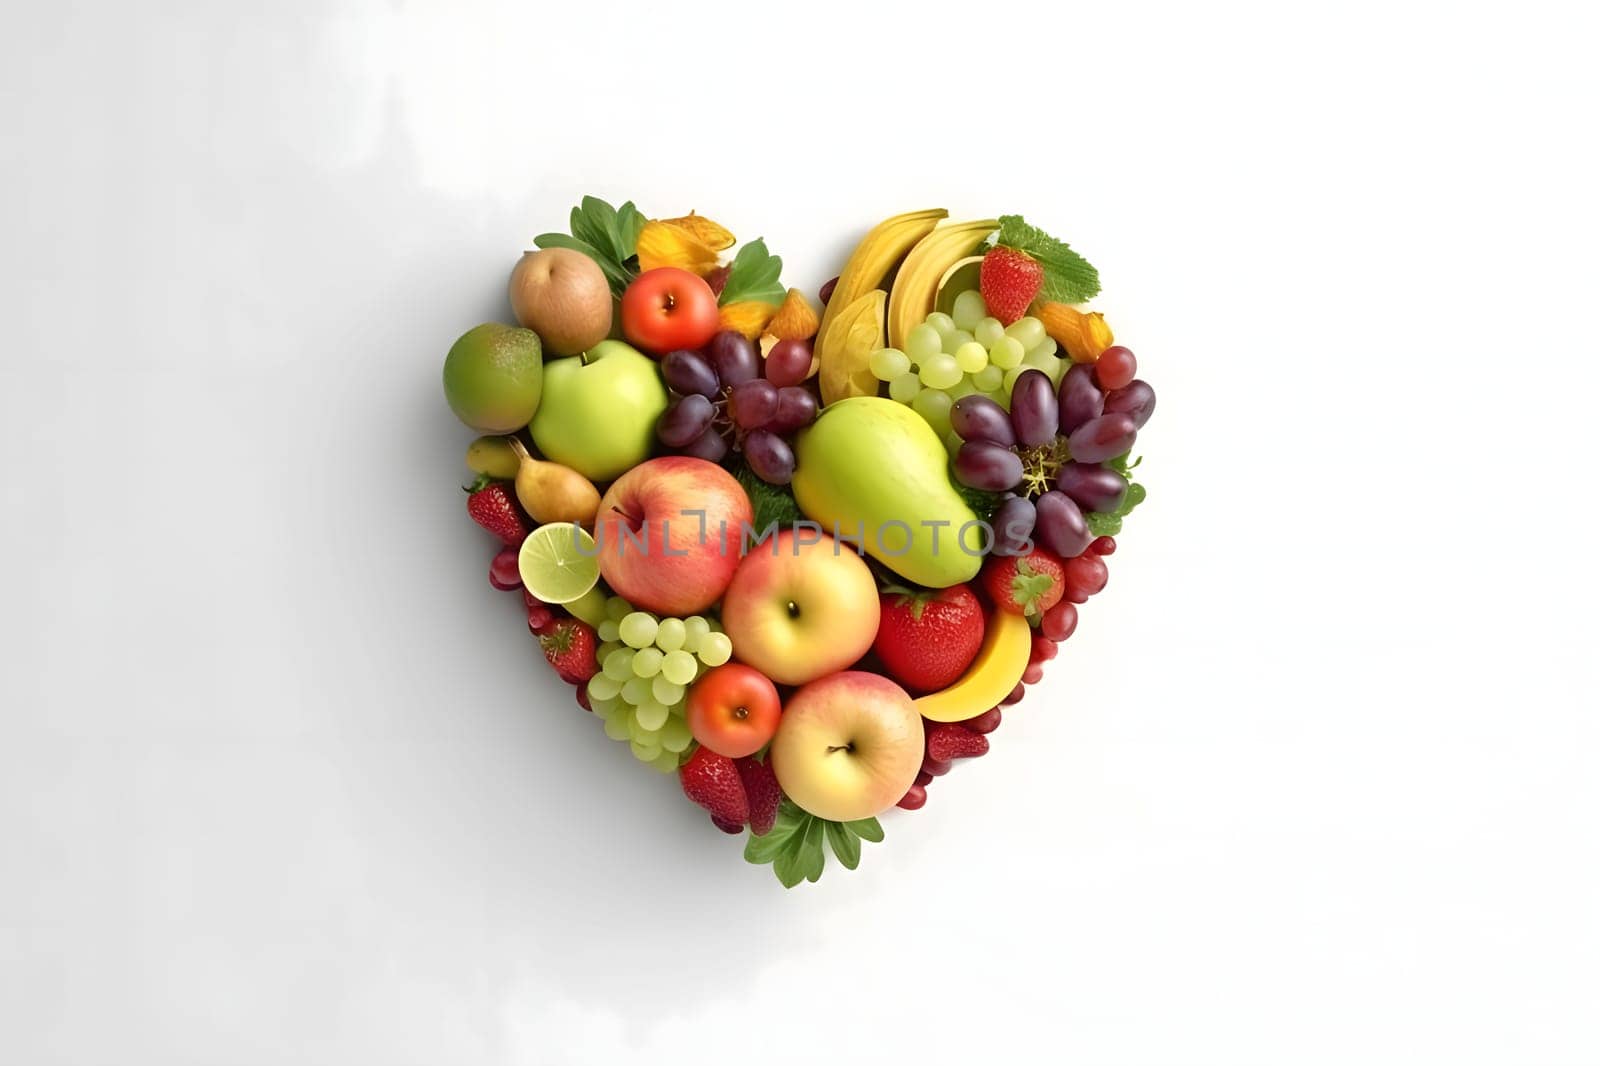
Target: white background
(282, 780)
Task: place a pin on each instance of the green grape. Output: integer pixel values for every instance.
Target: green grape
(953, 443)
(989, 378)
(670, 634)
(964, 387)
(675, 735)
(678, 667)
(601, 651)
(618, 608)
(638, 630)
(666, 762)
(602, 688)
(1012, 375)
(887, 364)
(716, 649)
(940, 372)
(619, 665)
(1002, 395)
(1048, 346)
(651, 715)
(1028, 330)
(934, 407)
(647, 662)
(605, 708)
(955, 339)
(636, 729)
(1040, 359)
(904, 388)
(922, 342)
(606, 631)
(646, 752)
(1006, 353)
(972, 357)
(667, 692)
(617, 726)
(635, 690)
(1057, 372)
(988, 331)
(942, 323)
(693, 630)
(969, 309)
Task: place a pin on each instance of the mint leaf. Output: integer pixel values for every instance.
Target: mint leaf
(1068, 277)
(846, 845)
(770, 503)
(630, 220)
(753, 276)
(983, 504)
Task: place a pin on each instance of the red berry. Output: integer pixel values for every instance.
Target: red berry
(726, 826)
(491, 505)
(914, 798)
(987, 722)
(530, 600)
(826, 292)
(1044, 649)
(1086, 575)
(935, 767)
(713, 781)
(1033, 674)
(1059, 622)
(924, 778)
(539, 619)
(949, 741)
(1103, 545)
(1009, 280)
(582, 692)
(762, 791)
(1115, 368)
(1014, 696)
(503, 572)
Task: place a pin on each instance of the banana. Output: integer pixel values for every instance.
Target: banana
(883, 246)
(851, 338)
(992, 675)
(916, 286)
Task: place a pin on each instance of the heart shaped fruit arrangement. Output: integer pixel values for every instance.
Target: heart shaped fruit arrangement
(801, 560)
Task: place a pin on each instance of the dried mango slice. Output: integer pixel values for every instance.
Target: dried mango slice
(796, 320)
(1084, 334)
(853, 335)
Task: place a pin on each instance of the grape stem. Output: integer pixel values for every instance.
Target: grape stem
(1040, 465)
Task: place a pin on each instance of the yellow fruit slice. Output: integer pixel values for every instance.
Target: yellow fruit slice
(559, 562)
(991, 677)
(847, 345)
(962, 275)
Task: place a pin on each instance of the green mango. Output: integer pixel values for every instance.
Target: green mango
(873, 469)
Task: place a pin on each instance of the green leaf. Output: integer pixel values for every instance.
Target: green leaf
(983, 504)
(615, 274)
(753, 276)
(1102, 524)
(846, 845)
(762, 850)
(811, 854)
(1068, 277)
(788, 867)
(866, 829)
(1136, 495)
(771, 504)
(629, 222)
(594, 221)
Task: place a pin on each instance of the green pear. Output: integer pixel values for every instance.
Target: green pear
(876, 471)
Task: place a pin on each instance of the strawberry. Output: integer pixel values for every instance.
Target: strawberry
(569, 645)
(491, 505)
(1026, 584)
(1009, 280)
(762, 791)
(914, 798)
(948, 741)
(712, 781)
(928, 639)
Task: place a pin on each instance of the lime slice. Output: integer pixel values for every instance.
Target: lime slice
(559, 562)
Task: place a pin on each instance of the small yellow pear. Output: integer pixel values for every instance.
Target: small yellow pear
(550, 492)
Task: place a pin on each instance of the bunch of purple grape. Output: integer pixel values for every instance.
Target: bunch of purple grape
(721, 400)
(1047, 454)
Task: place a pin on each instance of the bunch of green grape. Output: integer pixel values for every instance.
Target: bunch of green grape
(950, 356)
(646, 667)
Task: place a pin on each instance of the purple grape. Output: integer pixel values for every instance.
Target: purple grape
(1080, 398)
(752, 403)
(788, 362)
(1102, 438)
(796, 408)
(1060, 527)
(769, 456)
(1013, 523)
(733, 357)
(1136, 399)
(978, 418)
(708, 446)
(1092, 487)
(1033, 409)
(982, 464)
(684, 419)
(688, 374)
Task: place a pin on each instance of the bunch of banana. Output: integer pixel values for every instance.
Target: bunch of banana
(855, 324)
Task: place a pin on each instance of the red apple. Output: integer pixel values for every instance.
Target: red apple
(848, 746)
(669, 533)
(667, 308)
(801, 605)
(733, 710)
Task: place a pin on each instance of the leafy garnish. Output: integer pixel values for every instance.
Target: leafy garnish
(772, 504)
(606, 234)
(1109, 523)
(753, 276)
(794, 844)
(983, 504)
(1068, 277)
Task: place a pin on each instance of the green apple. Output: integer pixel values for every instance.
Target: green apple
(599, 410)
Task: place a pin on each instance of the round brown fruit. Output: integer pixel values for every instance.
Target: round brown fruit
(562, 296)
